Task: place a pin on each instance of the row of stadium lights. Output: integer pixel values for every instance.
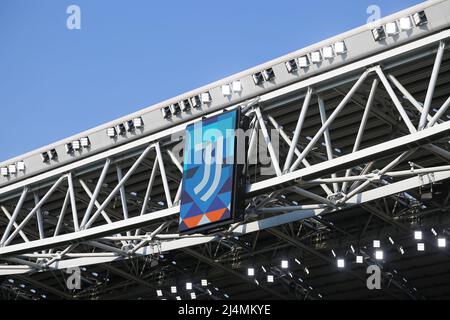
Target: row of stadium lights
(403, 24)
(190, 290)
(379, 253)
(32, 290)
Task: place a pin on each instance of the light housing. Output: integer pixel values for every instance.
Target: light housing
(284, 264)
(76, 144)
(121, 128)
(269, 74)
(226, 90)
(188, 285)
(270, 278)
(21, 166)
(359, 259)
(53, 154)
(420, 18)
(405, 23)
(442, 242)
(379, 34)
(418, 235)
(391, 28)
(193, 296)
(111, 132)
(159, 293)
(303, 62)
(291, 66)
(236, 86)
(258, 78)
(45, 157)
(165, 112)
(69, 148)
(138, 123)
(250, 272)
(175, 108)
(204, 283)
(340, 47)
(421, 246)
(85, 142)
(206, 97)
(340, 263)
(173, 289)
(379, 255)
(376, 243)
(4, 171)
(185, 105)
(12, 169)
(196, 102)
(316, 56)
(328, 52)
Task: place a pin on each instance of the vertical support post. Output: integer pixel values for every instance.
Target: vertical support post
(40, 222)
(432, 85)
(162, 170)
(272, 153)
(326, 134)
(298, 129)
(73, 202)
(362, 126)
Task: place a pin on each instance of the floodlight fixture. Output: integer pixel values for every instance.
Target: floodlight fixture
(340, 263)
(185, 105)
(206, 97)
(421, 246)
(237, 86)
(284, 264)
(12, 168)
(111, 132)
(258, 78)
(138, 123)
(303, 62)
(69, 148)
(4, 171)
(53, 154)
(268, 74)
(392, 28)
(175, 108)
(121, 127)
(250, 272)
(442, 242)
(76, 145)
(379, 34)
(226, 90)
(193, 296)
(204, 283)
(328, 52)
(21, 166)
(405, 23)
(173, 289)
(291, 66)
(188, 285)
(379, 255)
(359, 259)
(196, 102)
(420, 18)
(159, 293)
(418, 235)
(85, 142)
(316, 56)
(376, 243)
(340, 47)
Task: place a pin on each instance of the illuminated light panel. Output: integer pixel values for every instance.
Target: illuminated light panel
(270, 278)
(316, 57)
(138, 123)
(226, 90)
(379, 255)
(442, 242)
(303, 62)
(188, 286)
(250, 272)
(12, 169)
(418, 235)
(76, 144)
(340, 48)
(328, 52)
(173, 289)
(4, 171)
(376, 243)
(204, 282)
(159, 293)
(284, 264)
(206, 97)
(111, 132)
(21, 166)
(340, 263)
(391, 28)
(421, 246)
(359, 259)
(85, 142)
(405, 23)
(236, 86)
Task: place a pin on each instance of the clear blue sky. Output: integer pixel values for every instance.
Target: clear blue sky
(56, 82)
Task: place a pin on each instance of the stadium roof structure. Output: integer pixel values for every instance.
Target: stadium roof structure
(361, 178)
